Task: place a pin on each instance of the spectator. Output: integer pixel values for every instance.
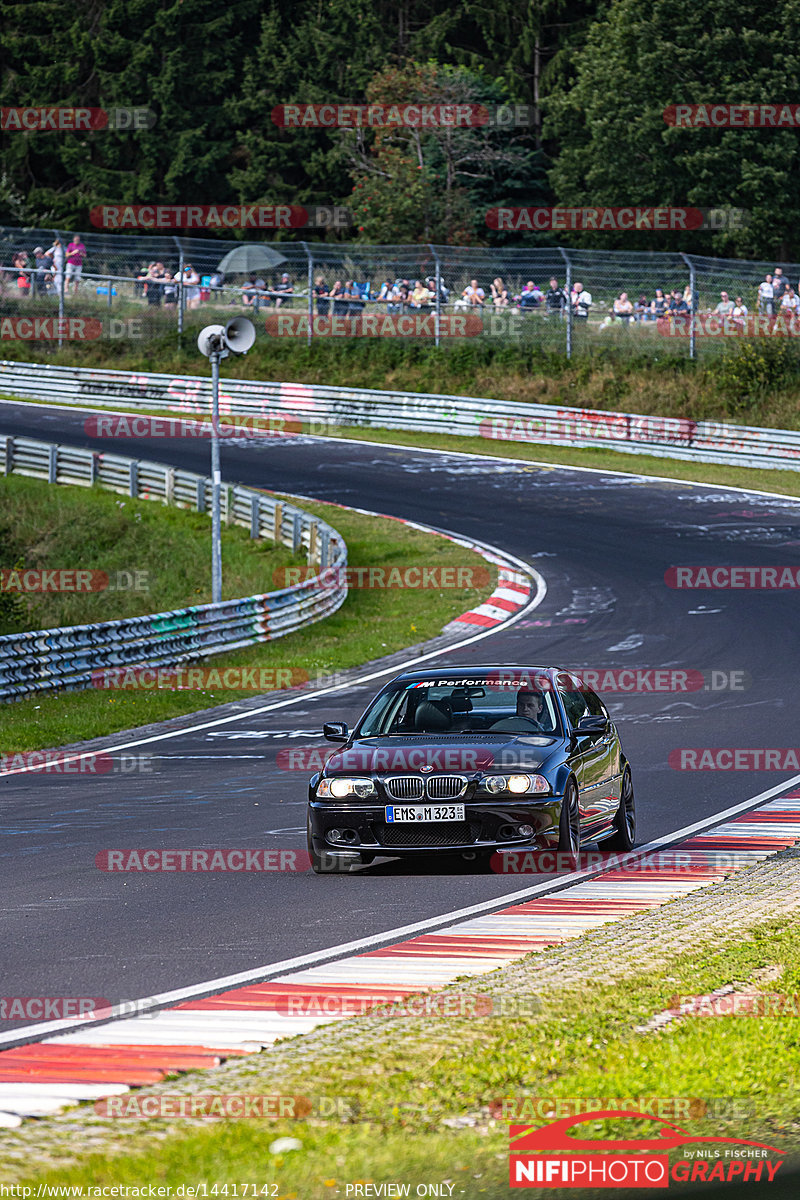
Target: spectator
(444, 294)
(254, 291)
(56, 253)
(690, 298)
(499, 293)
(555, 298)
(190, 281)
(779, 285)
(678, 307)
(529, 298)
(420, 297)
(169, 286)
(76, 253)
(473, 295)
(336, 294)
(739, 312)
(725, 306)
(352, 295)
(622, 308)
(22, 273)
(641, 309)
(216, 283)
(284, 289)
(385, 294)
(659, 305)
(43, 271)
(766, 297)
(154, 283)
(790, 302)
(402, 293)
(581, 302)
(323, 297)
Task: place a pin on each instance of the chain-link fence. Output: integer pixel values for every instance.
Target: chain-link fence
(122, 287)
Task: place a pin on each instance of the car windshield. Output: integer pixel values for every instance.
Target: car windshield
(500, 702)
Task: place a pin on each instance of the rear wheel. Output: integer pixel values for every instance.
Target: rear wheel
(624, 834)
(569, 824)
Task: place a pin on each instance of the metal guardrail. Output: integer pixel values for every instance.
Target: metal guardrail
(542, 424)
(71, 657)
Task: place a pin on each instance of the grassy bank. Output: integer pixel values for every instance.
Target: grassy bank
(429, 1099)
(372, 622)
(755, 382)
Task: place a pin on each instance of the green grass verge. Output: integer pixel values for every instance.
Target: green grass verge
(371, 623)
(157, 557)
(407, 1078)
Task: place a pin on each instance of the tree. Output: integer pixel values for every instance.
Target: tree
(617, 149)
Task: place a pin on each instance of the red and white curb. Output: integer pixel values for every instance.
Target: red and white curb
(42, 1077)
(513, 592)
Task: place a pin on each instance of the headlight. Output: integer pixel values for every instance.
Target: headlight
(341, 787)
(518, 785)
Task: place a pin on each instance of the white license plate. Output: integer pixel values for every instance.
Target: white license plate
(396, 813)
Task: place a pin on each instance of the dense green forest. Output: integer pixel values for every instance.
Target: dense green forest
(596, 76)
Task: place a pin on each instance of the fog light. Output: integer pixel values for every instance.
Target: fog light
(348, 835)
(526, 831)
(334, 835)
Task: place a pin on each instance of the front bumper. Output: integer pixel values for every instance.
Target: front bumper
(486, 826)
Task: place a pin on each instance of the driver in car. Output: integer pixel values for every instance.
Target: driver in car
(530, 704)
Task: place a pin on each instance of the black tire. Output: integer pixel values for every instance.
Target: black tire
(624, 834)
(569, 823)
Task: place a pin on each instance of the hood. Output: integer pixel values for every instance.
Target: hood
(445, 753)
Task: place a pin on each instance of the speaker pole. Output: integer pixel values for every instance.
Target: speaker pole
(216, 484)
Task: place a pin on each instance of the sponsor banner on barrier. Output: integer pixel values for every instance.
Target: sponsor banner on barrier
(378, 324)
(342, 115)
(272, 425)
(203, 679)
(74, 120)
(220, 858)
(733, 116)
(219, 216)
(389, 578)
(222, 1105)
(735, 758)
(735, 578)
(49, 329)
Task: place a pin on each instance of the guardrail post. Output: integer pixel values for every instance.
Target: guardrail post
(568, 290)
(201, 495)
(134, 479)
(8, 457)
(255, 514)
(52, 465)
(297, 533)
(438, 317)
(94, 469)
(169, 485)
(323, 549)
(313, 536)
(692, 284)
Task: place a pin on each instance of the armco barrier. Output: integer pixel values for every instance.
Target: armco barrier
(47, 659)
(543, 424)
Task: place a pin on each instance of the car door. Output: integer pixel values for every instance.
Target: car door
(596, 758)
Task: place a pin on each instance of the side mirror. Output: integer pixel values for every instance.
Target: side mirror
(591, 726)
(335, 731)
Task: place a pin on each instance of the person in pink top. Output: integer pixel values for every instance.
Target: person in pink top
(76, 253)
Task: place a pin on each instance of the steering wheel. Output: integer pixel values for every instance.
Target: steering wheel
(516, 724)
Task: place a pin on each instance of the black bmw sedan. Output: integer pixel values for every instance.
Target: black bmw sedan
(472, 761)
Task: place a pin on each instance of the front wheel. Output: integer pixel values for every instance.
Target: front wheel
(569, 823)
(624, 833)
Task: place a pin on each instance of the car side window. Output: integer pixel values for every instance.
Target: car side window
(575, 705)
(594, 704)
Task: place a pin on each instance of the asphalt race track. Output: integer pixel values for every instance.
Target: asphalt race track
(602, 543)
